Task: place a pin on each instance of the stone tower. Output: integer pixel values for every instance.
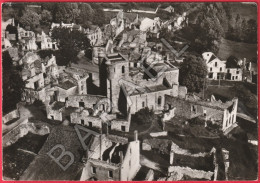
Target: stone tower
(117, 69)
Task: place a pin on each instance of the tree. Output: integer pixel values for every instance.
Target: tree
(7, 61)
(13, 85)
(129, 6)
(66, 12)
(86, 14)
(70, 44)
(46, 17)
(193, 72)
(31, 19)
(99, 17)
(252, 31)
(144, 116)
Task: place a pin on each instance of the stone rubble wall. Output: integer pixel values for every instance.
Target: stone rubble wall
(23, 129)
(193, 173)
(11, 115)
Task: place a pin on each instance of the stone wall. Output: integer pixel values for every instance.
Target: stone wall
(192, 173)
(230, 115)
(168, 115)
(131, 162)
(83, 118)
(63, 94)
(89, 101)
(190, 109)
(149, 176)
(37, 78)
(11, 115)
(183, 107)
(102, 170)
(54, 114)
(23, 129)
(150, 100)
(182, 91)
(122, 124)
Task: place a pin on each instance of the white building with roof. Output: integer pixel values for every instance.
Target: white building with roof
(216, 67)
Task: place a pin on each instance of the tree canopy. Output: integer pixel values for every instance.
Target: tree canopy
(193, 72)
(70, 43)
(31, 19)
(13, 85)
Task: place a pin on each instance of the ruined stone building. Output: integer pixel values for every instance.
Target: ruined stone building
(27, 39)
(222, 114)
(44, 42)
(71, 26)
(37, 74)
(143, 90)
(7, 37)
(118, 23)
(95, 35)
(113, 159)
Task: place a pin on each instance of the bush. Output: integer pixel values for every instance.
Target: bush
(197, 121)
(144, 116)
(38, 103)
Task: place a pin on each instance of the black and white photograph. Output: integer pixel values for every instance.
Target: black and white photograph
(129, 91)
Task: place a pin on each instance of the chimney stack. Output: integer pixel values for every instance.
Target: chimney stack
(100, 147)
(171, 157)
(121, 156)
(107, 129)
(135, 135)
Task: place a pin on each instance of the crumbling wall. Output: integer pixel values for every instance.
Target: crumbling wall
(183, 108)
(83, 118)
(230, 115)
(102, 171)
(178, 150)
(54, 114)
(122, 125)
(193, 173)
(168, 115)
(154, 143)
(89, 101)
(131, 161)
(37, 78)
(63, 94)
(150, 100)
(149, 176)
(11, 115)
(182, 91)
(23, 129)
(225, 155)
(118, 125)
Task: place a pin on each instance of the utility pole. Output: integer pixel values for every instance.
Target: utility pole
(203, 88)
(219, 80)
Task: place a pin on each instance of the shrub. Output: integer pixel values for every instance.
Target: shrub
(197, 121)
(144, 116)
(38, 103)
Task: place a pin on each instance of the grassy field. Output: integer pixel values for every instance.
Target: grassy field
(246, 10)
(237, 49)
